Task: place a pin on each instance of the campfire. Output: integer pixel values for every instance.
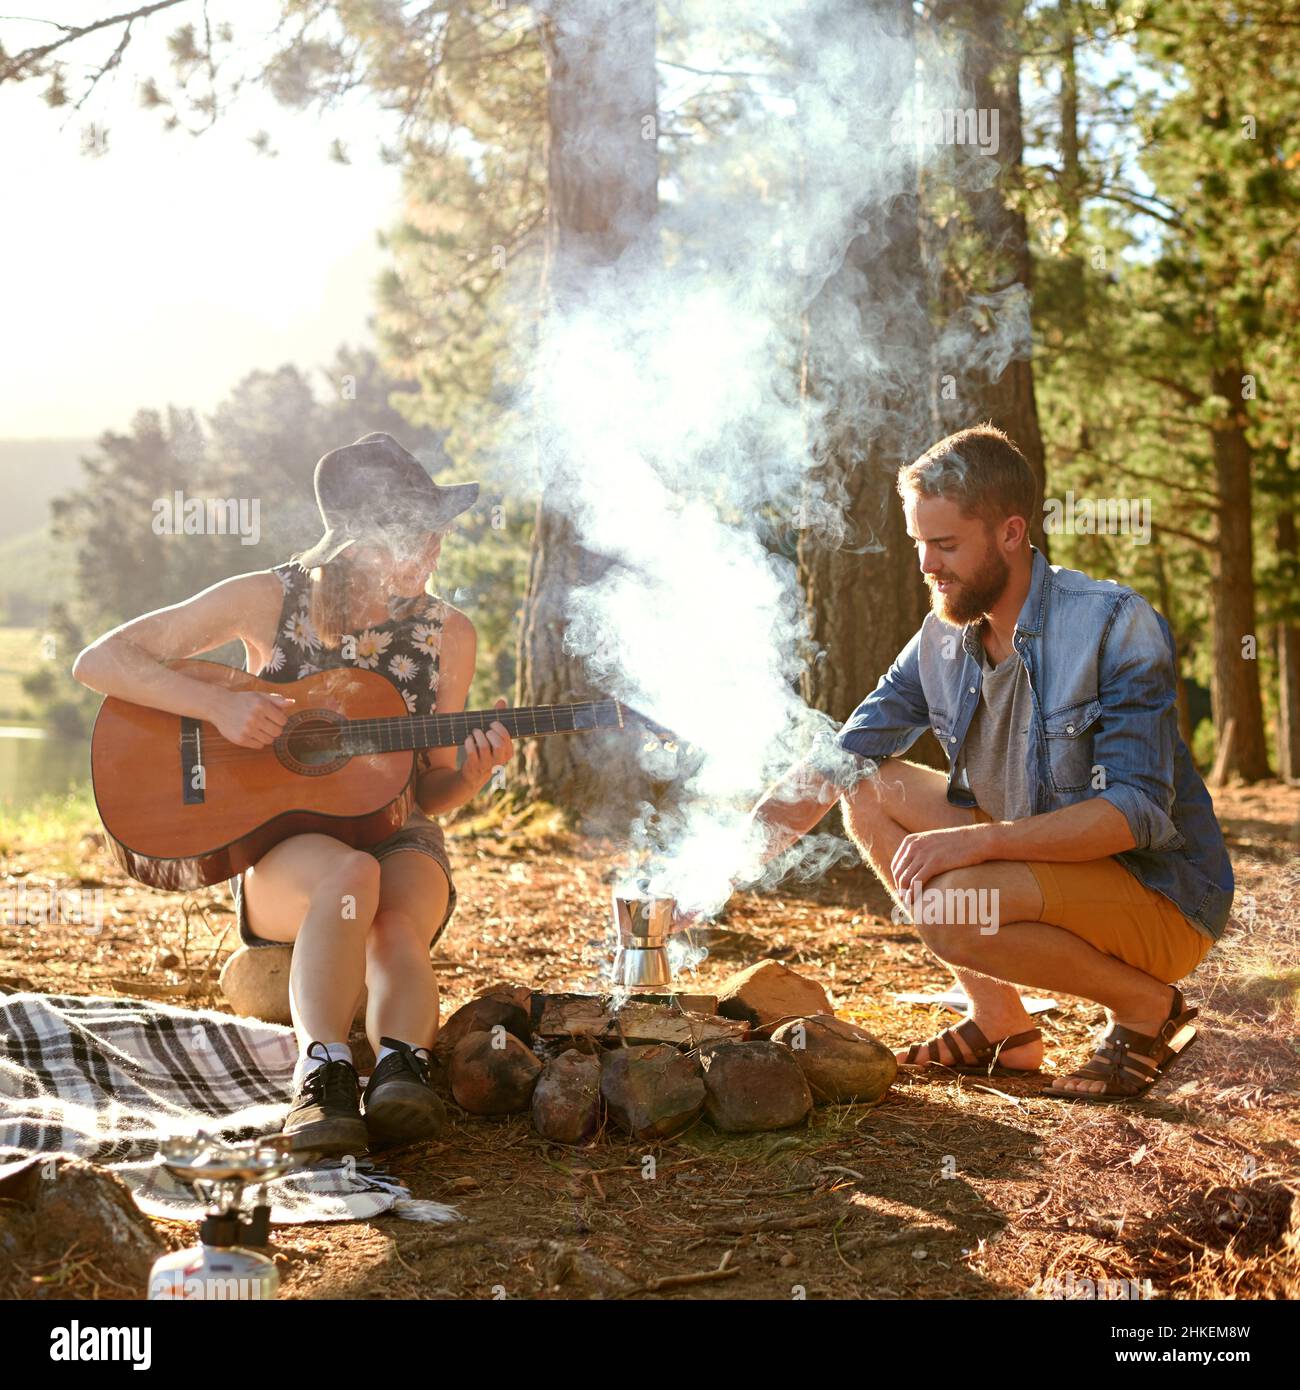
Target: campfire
(650, 1060)
(644, 1056)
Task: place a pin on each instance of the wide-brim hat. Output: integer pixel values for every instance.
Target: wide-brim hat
(375, 488)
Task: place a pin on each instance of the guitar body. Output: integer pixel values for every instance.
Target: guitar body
(184, 808)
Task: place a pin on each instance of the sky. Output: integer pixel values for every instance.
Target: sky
(164, 270)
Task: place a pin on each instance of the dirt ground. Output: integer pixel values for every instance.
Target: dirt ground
(950, 1188)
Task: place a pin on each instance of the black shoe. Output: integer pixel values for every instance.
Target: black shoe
(400, 1102)
(325, 1116)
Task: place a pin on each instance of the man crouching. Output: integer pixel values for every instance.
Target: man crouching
(1070, 807)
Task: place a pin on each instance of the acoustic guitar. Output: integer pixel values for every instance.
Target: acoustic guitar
(184, 807)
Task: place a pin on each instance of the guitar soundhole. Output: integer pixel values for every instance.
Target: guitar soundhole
(312, 743)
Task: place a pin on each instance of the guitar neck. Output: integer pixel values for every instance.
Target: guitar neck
(404, 732)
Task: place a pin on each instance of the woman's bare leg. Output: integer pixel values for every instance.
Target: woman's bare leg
(401, 990)
(322, 895)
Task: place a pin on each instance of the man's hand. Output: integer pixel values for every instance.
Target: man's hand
(928, 853)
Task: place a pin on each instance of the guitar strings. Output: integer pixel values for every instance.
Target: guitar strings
(225, 751)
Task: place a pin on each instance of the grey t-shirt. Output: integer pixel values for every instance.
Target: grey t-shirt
(997, 742)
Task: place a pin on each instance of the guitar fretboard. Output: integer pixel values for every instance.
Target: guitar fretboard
(405, 732)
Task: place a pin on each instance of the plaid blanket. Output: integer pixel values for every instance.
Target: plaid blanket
(107, 1080)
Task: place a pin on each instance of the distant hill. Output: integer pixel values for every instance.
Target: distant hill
(32, 471)
(33, 572)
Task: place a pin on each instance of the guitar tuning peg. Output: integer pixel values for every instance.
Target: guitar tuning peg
(670, 746)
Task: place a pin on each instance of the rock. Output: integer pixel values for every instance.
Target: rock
(841, 1061)
(770, 991)
(363, 1054)
(566, 1102)
(255, 981)
(652, 1092)
(572, 1265)
(63, 1203)
(493, 1073)
(481, 1016)
(753, 1086)
(513, 994)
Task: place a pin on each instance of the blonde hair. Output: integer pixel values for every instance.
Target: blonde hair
(333, 598)
(330, 601)
(979, 469)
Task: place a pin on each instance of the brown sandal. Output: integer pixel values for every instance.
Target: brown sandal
(1127, 1076)
(984, 1061)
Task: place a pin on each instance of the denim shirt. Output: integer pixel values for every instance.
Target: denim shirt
(1100, 662)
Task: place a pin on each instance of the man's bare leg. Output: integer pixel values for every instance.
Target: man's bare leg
(904, 798)
(1039, 955)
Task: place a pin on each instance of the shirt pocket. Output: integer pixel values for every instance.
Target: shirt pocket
(1070, 733)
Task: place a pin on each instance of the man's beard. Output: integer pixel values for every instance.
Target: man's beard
(970, 598)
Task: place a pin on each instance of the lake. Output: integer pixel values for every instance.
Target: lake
(34, 764)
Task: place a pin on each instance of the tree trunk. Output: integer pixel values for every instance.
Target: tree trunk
(992, 70)
(1235, 683)
(603, 171)
(1070, 184)
(1288, 666)
(1166, 607)
(866, 598)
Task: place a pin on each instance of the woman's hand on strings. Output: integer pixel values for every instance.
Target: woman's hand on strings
(252, 719)
(485, 751)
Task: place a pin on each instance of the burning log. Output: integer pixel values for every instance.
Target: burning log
(841, 1061)
(493, 1073)
(768, 992)
(566, 1101)
(753, 1086)
(636, 1021)
(651, 1092)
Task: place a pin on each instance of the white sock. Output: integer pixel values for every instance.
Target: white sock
(335, 1052)
(421, 1052)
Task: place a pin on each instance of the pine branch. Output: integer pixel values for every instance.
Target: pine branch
(1212, 503)
(1186, 392)
(1184, 535)
(29, 57)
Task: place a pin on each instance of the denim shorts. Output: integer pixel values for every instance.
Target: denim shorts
(422, 837)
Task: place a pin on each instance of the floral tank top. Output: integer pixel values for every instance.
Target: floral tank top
(406, 650)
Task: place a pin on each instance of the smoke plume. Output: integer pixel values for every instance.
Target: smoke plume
(667, 419)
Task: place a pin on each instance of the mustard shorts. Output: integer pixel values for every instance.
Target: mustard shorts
(1100, 901)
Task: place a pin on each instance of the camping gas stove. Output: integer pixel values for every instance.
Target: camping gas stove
(228, 1262)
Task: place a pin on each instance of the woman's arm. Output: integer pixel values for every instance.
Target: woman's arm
(128, 661)
(444, 787)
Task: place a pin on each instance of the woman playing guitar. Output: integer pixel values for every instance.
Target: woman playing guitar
(356, 918)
